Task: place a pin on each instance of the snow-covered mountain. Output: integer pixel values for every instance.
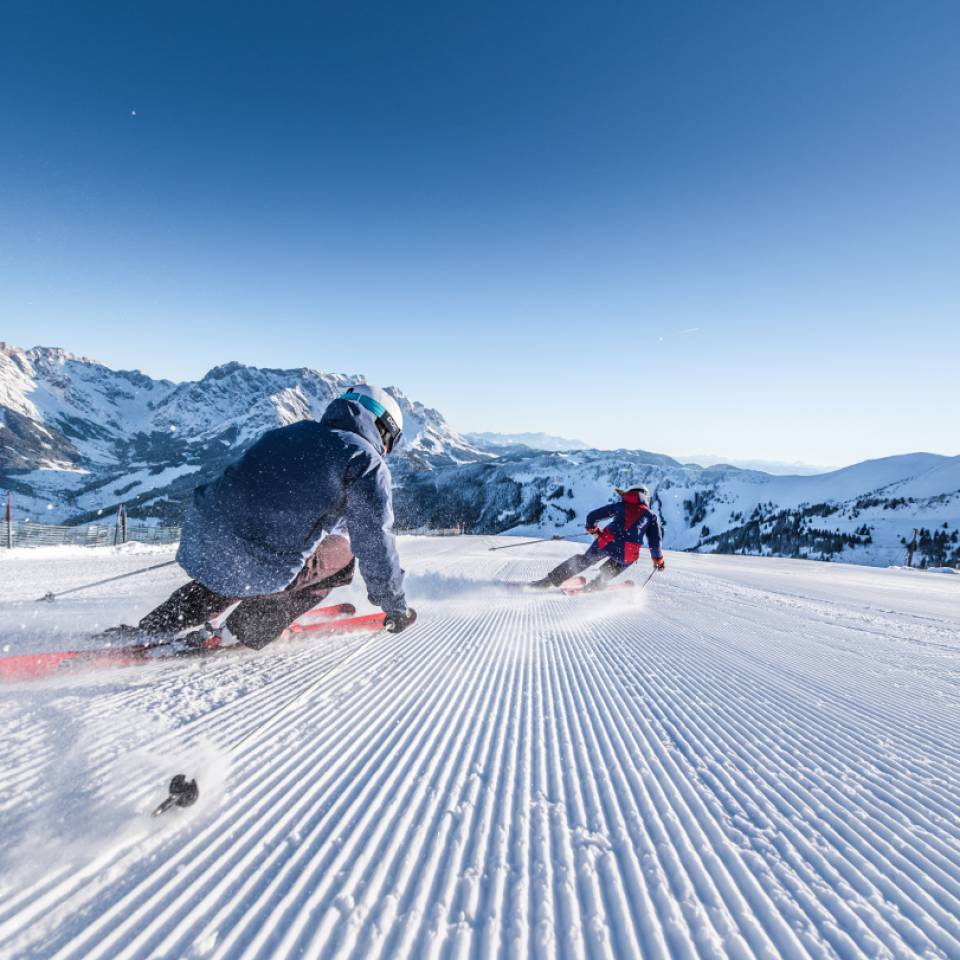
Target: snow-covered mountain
(499, 442)
(78, 438)
(779, 467)
(866, 513)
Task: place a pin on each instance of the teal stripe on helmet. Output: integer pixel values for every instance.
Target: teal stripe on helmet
(377, 409)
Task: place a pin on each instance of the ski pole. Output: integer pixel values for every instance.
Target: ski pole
(645, 582)
(123, 576)
(526, 543)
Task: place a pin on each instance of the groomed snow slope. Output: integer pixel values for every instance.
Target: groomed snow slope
(753, 758)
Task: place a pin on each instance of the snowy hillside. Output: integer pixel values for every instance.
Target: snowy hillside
(79, 438)
(753, 758)
(82, 437)
(864, 513)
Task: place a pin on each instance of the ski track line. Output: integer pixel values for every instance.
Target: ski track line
(676, 741)
(151, 792)
(577, 809)
(274, 782)
(830, 703)
(207, 673)
(845, 834)
(430, 806)
(141, 795)
(800, 672)
(387, 771)
(383, 878)
(678, 832)
(699, 771)
(806, 688)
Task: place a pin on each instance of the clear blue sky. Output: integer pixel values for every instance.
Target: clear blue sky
(708, 226)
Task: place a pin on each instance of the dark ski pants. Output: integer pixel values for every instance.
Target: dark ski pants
(257, 620)
(583, 561)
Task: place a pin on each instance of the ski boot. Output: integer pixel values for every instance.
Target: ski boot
(596, 585)
(545, 583)
(126, 635)
(202, 640)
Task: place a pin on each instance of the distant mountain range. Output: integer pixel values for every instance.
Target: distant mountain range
(780, 468)
(499, 442)
(77, 439)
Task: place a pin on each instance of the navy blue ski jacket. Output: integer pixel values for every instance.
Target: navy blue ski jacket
(250, 532)
(632, 521)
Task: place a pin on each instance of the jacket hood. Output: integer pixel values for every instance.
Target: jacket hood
(350, 416)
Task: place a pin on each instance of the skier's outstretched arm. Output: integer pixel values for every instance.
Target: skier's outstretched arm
(369, 517)
(601, 513)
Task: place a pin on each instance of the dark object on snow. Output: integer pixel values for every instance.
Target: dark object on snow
(183, 793)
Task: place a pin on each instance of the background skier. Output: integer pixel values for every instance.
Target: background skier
(618, 544)
(269, 531)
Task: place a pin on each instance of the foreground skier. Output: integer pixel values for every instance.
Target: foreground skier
(263, 532)
(618, 544)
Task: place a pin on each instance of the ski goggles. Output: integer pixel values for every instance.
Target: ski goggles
(384, 420)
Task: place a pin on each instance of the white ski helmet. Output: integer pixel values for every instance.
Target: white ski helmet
(386, 411)
(643, 494)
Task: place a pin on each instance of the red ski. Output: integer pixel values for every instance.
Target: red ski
(323, 614)
(29, 666)
(576, 591)
(367, 621)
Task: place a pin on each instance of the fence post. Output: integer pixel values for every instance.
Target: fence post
(9, 521)
(911, 549)
(123, 523)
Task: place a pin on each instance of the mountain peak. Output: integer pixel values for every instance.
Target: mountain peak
(223, 370)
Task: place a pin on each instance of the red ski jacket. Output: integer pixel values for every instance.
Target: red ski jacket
(632, 521)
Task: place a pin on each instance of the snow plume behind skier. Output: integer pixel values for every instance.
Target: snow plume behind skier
(618, 544)
(270, 531)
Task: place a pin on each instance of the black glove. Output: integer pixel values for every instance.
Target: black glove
(396, 622)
